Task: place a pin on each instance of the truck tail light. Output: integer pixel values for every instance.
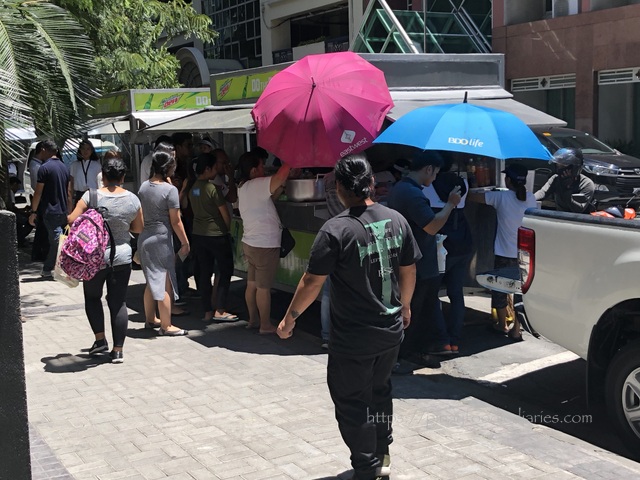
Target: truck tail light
(526, 256)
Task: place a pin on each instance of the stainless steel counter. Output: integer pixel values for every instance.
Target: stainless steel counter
(302, 216)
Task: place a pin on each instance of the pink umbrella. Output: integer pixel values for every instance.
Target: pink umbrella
(321, 109)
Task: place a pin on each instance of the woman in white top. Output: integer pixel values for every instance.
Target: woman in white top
(261, 237)
(84, 171)
(510, 206)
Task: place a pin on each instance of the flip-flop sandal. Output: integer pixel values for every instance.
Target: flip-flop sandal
(497, 330)
(227, 317)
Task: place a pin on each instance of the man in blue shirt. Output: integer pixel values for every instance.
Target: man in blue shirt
(427, 332)
(51, 201)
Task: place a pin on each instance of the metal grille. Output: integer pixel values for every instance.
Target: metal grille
(625, 75)
(543, 83)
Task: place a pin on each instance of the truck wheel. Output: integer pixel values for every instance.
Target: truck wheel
(623, 392)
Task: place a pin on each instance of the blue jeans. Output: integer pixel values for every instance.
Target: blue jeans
(54, 223)
(456, 272)
(325, 310)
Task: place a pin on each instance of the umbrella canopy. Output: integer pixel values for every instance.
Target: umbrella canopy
(321, 109)
(467, 128)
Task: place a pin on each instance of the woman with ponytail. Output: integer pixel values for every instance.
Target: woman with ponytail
(510, 206)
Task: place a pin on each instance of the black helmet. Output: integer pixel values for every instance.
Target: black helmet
(568, 157)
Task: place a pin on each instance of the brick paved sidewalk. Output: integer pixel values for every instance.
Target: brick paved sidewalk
(226, 403)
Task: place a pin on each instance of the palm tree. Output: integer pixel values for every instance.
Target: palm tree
(46, 70)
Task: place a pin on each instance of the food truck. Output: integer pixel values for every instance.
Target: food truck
(414, 81)
(120, 118)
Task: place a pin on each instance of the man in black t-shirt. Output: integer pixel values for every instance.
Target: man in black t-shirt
(369, 253)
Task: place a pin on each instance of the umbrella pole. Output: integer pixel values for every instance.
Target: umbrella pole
(500, 178)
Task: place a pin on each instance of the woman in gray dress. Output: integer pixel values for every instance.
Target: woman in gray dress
(161, 207)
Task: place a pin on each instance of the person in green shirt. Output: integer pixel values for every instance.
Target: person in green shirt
(211, 241)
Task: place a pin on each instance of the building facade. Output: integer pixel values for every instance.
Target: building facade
(575, 59)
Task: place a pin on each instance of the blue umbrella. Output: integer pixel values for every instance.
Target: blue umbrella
(467, 128)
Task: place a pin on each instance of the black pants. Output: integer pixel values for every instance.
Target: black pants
(212, 252)
(117, 280)
(40, 246)
(427, 322)
(361, 392)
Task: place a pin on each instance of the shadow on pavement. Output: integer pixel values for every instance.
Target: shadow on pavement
(68, 363)
(233, 335)
(554, 397)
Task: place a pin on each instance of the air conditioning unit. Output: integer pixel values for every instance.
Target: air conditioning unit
(562, 8)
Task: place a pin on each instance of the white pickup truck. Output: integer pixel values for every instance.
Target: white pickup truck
(580, 280)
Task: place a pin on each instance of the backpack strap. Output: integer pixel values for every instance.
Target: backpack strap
(93, 203)
(93, 198)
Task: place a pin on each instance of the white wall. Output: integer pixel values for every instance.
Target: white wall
(615, 115)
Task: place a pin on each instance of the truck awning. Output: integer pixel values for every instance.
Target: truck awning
(407, 100)
(228, 120)
(120, 125)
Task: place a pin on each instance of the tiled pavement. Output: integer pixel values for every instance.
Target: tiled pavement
(226, 403)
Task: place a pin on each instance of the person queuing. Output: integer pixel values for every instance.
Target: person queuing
(427, 333)
(225, 182)
(567, 182)
(85, 170)
(261, 236)
(510, 206)
(369, 253)
(210, 238)
(161, 207)
(40, 245)
(122, 212)
(459, 245)
(182, 179)
(334, 207)
(51, 201)
(145, 165)
(23, 227)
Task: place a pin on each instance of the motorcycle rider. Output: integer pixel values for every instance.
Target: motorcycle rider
(572, 191)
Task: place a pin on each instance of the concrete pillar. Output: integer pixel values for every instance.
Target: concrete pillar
(586, 84)
(15, 461)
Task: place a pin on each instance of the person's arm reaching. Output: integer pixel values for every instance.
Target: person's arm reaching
(306, 293)
(435, 225)
(546, 190)
(279, 178)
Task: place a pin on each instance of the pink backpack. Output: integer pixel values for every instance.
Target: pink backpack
(82, 254)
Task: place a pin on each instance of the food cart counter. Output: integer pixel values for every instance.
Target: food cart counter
(303, 219)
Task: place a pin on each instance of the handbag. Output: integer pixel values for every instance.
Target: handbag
(287, 242)
(60, 275)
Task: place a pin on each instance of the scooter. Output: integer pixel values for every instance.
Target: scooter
(618, 211)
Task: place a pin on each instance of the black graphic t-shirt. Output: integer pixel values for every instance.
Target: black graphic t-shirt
(362, 249)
